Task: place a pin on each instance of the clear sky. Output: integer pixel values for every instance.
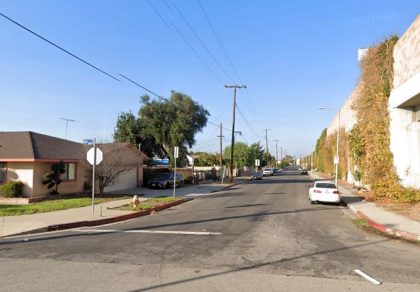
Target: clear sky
(294, 56)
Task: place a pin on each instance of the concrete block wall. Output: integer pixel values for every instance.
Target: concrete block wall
(406, 54)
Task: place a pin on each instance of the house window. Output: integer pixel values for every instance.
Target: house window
(3, 170)
(70, 171)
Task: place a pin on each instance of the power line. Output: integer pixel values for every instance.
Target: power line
(160, 16)
(58, 47)
(219, 40)
(141, 86)
(188, 43)
(221, 115)
(202, 43)
(227, 129)
(228, 58)
(246, 122)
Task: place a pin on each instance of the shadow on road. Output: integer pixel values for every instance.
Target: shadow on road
(351, 199)
(259, 265)
(253, 215)
(245, 206)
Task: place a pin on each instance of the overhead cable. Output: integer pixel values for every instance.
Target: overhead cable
(57, 46)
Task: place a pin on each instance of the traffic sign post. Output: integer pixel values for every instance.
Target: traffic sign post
(94, 157)
(176, 154)
(257, 163)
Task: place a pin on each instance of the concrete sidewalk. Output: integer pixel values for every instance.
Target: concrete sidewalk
(40, 222)
(377, 217)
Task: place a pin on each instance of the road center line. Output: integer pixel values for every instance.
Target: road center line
(149, 231)
(367, 277)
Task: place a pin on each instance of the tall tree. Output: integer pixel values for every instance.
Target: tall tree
(172, 122)
(256, 151)
(127, 128)
(241, 155)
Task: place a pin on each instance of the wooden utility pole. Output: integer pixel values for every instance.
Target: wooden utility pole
(266, 145)
(277, 152)
(233, 126)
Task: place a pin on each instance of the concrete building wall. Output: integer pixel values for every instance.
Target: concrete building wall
(347, 115)
(404, 104)
(406, 54)
(22, 171)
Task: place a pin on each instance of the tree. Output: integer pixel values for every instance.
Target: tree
(163, 124)
(129, 129)
(53, 178)
(241, 155)
(205, 159)
(118, 158)
(256, 151)
(173, 122)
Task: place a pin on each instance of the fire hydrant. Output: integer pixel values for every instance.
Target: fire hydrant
(136, 201)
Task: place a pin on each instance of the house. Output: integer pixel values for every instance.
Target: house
(28, 156)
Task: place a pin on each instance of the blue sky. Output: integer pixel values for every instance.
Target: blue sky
(294, 57)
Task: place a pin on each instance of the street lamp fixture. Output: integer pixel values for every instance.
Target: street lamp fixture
(336, 158)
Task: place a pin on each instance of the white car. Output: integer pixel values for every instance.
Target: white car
(324, 191)
(268, 171)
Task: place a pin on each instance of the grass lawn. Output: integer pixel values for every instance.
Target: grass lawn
(149, 203)
(53, 205)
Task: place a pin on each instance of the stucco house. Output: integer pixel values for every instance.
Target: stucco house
(28, 156)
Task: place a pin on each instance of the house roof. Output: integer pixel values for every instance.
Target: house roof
(128, 148)
(31, 146)
(34, 146)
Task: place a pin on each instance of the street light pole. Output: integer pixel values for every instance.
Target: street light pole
(337, 153)
(336, 158)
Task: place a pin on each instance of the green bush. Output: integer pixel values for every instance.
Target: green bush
(12, 189)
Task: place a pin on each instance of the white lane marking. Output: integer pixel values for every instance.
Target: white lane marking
(148, 231)
(367, 277)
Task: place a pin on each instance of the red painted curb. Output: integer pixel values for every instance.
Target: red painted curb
(114, 219)
(388, 230)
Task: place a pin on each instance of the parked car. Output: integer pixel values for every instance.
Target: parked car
(268, 171)
(166, 180)
(276, 171)
(295, 169)
(324, 191)
(256, 175)
(304, 171)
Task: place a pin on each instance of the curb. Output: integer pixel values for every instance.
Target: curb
(114, 219)
(383, 228)
(98, 222)
(388, 230)
(412, 237)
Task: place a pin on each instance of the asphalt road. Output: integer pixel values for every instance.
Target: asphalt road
(261, 235)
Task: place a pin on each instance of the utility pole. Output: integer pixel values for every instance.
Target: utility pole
(67, 125)
(221, 147)
(233, 126)
(277, 152)
(266, 145)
